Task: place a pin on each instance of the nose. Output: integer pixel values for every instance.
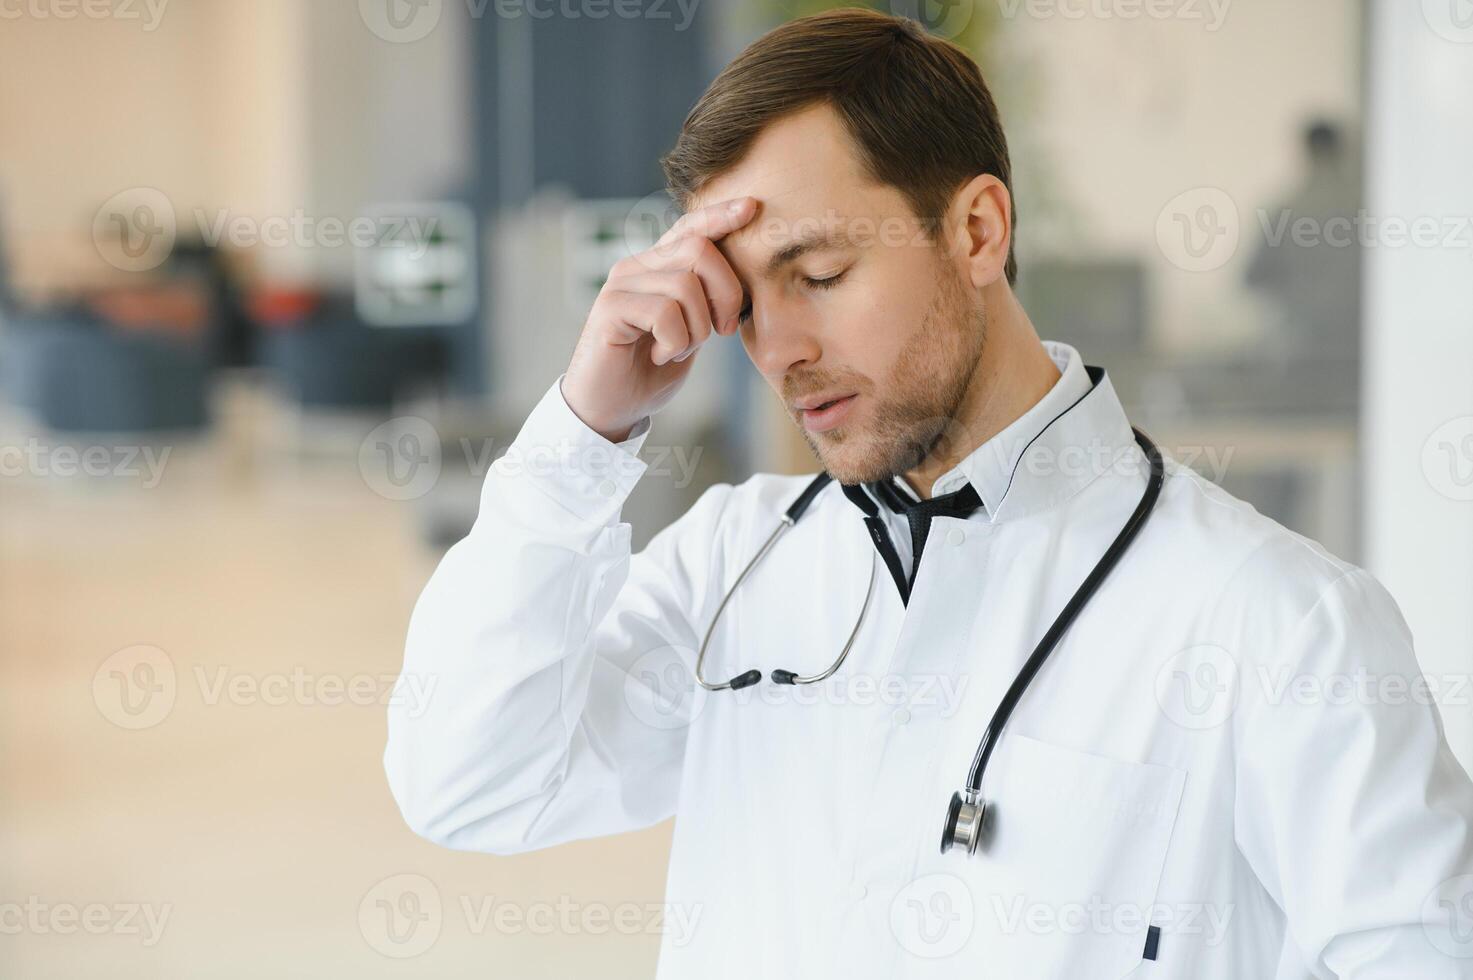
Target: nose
(777, 341)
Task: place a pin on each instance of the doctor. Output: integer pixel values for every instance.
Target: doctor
(1220, 770)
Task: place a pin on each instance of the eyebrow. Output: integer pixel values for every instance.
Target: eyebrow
(812, 242)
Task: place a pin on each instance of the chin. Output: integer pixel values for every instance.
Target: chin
(848, 460)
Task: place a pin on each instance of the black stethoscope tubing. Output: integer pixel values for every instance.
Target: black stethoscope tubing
(965, 814)
(1070, 611)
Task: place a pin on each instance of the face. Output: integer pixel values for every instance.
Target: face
(867, 330)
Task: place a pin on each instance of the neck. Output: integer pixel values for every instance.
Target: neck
(1013, 373)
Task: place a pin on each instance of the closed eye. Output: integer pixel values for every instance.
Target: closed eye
(812, 282)
(828, 282)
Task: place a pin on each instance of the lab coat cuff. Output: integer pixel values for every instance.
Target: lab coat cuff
(558, 456)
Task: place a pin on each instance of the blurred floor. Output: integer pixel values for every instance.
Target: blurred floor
(262, 830)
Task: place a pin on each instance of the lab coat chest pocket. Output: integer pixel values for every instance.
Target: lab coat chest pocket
(1068, 876)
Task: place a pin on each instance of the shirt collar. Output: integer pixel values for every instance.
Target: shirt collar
(1051, 451)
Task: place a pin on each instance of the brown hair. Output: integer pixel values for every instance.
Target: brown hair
(915, 105)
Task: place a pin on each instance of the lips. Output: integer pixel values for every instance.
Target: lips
(826, 413)
(819, 402)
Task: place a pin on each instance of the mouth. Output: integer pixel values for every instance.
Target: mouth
(824, 412)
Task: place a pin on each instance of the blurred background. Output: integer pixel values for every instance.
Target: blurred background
(280, 279)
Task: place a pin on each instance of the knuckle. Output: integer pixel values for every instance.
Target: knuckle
(689, 284)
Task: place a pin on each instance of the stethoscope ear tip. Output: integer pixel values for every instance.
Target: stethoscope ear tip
(745, 680)
(784, 677)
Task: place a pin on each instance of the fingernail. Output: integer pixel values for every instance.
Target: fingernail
(683, 355)
(736, 205)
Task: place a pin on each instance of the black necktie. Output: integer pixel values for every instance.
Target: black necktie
(960, 503)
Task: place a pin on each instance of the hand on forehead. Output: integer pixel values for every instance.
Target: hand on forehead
(807, 180)
(816, 215)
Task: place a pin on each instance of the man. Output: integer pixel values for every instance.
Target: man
(1180, 792)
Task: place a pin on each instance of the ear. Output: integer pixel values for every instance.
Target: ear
(980, 229)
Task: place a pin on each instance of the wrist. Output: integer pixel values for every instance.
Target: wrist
(612, 430)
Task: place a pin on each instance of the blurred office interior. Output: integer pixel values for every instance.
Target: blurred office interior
(279, 279)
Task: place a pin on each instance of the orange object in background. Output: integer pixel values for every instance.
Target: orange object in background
(282, 308)
(180, 309)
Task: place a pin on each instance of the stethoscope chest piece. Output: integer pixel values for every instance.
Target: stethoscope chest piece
(963, 824)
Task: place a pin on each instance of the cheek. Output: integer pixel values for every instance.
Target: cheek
(874, 334)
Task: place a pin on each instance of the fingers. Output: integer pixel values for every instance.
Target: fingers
(683, 289)
(713, 221)
(723, 290)
(655, 314)
(686, 288)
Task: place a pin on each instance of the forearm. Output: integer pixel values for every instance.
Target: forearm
(500, 646)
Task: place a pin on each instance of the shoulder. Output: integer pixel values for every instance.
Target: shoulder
(1254, 572)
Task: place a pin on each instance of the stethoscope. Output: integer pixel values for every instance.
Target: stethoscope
(967, 810)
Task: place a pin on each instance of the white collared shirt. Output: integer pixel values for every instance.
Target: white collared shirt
(990, 466)
(1196, 785)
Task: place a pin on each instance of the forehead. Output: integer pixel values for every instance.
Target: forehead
(805, 174)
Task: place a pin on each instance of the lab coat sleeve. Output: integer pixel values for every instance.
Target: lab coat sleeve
(1351, 807)
(548, 652)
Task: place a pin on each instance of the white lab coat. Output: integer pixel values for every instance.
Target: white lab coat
(1227, 745)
